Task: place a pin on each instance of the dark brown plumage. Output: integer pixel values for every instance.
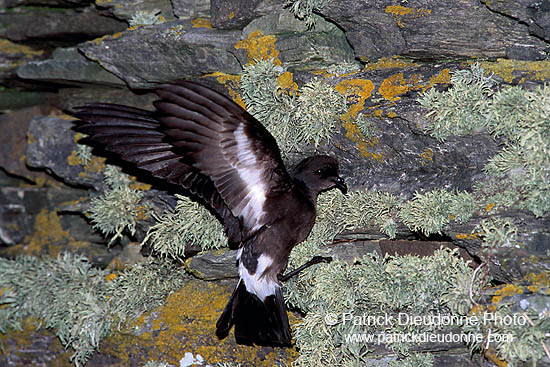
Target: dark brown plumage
(203, 141)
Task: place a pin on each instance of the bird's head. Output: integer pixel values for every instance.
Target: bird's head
(319, 173)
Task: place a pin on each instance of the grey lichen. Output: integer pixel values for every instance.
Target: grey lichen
(145, 17)
(497, 232)
(463, 108)
(374, 286)
(79, 302)
(119, 207)
(432, 211)
(518, 118)
(303, 9)
(190, 223)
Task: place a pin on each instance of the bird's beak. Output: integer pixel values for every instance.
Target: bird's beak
(340, 184)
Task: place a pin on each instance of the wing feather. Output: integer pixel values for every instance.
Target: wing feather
(202, 140)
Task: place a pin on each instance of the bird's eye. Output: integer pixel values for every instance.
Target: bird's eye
(319, 172)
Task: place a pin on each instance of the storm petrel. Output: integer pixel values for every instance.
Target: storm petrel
(202, 140)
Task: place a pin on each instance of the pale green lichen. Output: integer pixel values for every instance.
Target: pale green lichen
(84, 152)
(119, 207)
(518, 118)
(463, 108)
(145, 17)
(432, 211)
(190, 223)
(319, 107)
(373, 286)
(303, 9)
(498, 232)
(78, 301)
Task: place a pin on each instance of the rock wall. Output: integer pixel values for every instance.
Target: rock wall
(380, 56)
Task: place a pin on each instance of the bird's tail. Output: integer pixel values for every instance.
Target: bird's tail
(256, 322)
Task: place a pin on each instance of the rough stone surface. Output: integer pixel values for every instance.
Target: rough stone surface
(59, 24)
(536, 14)
(67, 66)
(429, 30)
(237, 14)
(302, 48)
(165, 52)
(189, 9)
(51, 143)
(126, 9)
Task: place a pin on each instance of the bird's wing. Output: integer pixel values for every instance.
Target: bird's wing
(202, 140)
(225, 143)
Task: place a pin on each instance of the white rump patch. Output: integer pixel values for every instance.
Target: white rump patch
(255, 283)
(252, 206)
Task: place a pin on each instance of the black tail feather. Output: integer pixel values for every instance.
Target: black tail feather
(256, 322)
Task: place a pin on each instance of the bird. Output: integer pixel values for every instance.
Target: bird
(203, 141)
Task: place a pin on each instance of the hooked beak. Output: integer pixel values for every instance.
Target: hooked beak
(341, 185)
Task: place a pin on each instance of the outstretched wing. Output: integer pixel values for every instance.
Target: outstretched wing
(202, 140)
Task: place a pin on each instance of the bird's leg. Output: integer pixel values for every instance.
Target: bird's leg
(313, 261)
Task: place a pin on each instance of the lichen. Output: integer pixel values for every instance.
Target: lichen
(303, 9)
(119, 207)
(190, 223)
(80, 303)
(145, 17)
(517, 117)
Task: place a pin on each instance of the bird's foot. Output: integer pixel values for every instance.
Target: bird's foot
(313, 261)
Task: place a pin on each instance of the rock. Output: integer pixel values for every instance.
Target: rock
(56, 24)
(237, 14)
(398, 158)
(125, 10)
(12, 99)
(302, 48)
(213, 265)
(68, 66)
(190, 9)
(536, 14)
(12, 55)
(69, 98)
(441, 30)
(166, 52)
(13, 142)
(51, 146)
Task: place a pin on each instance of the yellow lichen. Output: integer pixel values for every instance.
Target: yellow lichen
(259, 47)
(399, 12)
(286, 82)
(231, 15)
(506, 290)
(47, 233)
(489, 207)
(393, 86)
(74, 159)
(468, 236)
(10, 48)
(537, 281)
(201, 22)
(427, 156)
(389, 63)
(357, 91)
(231, 83)
(186, 324)
(505, 68)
